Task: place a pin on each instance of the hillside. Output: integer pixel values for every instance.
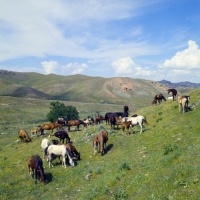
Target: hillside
(160, 163)
(136, 93)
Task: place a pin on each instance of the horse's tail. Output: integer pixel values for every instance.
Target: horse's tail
(145, 121)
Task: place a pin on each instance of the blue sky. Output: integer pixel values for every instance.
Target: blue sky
(147, 39)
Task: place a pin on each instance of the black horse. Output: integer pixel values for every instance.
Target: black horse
(174, 93)
(62, 134)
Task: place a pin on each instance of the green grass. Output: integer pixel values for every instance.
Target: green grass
(161, 163)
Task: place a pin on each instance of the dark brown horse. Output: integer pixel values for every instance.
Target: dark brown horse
(100, 141)
(174, 93)
(98, 119)
(158, 98)
(62, 134)
(76, 122)
(49, 126)
(35, 163)
(23, 135)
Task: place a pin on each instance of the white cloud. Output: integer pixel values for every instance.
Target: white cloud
(74, 68)
(126, 66)
(186, 59)
(50, 67)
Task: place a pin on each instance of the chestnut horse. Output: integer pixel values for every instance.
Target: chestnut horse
(35, 163)
(174, 93)
(100, 141)
(23, 135)
(50, 126)
(76, 122)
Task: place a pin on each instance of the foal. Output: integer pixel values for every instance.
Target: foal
(35, 163)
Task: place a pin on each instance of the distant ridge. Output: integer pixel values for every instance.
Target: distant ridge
(180, 84)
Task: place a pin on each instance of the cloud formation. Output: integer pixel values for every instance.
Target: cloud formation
(186, 59)
(127, 67)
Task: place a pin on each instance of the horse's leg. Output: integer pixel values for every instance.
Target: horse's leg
(140, 127)
(64, 161)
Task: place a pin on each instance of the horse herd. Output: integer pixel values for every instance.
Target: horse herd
(68, 152)
(183, 101)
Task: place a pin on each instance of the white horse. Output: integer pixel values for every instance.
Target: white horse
(45, 143)
(59, 150)
(135, 120)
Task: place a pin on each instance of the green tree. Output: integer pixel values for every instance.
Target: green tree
(58, 109)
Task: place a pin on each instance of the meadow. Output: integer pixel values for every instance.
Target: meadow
(162, 162)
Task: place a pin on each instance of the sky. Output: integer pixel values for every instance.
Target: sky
(145, 39)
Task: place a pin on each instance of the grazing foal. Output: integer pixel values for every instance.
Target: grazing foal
(35, 163)
(126, 125)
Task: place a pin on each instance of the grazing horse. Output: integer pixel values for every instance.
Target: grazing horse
(126, 125)
(158, 98)
(35, 163)
(100, 142)
(44, 144)
(75, 122)
(73, 151)
(174, 93)
(183, 103)
(62, 121)
(23, 135)
(49, 126)
(59, 150)
(136, 120)
(62, 134)
(71, 148)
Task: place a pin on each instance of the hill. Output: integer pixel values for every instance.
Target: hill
(136, 93)
(160, 163)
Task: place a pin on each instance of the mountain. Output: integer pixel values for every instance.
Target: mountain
(82, 88)
(180, 84)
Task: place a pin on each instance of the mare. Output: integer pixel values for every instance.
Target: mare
(35, 163)
(59, 150)
(62, 134)
(158, 98)
(44, 144)
(174, 93)
(183, 103)
(49, 126)
(100, 141)
(136, 120)
(75, 122)
(23, 135)
(62, 120)
(126, 125)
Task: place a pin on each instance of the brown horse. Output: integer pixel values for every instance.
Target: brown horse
(50, 126)
(100, 141)
(76, 122)
(158, 98)
(174, 93)
(35, 163)
(23, 135)
(126, 125)
(98, 119)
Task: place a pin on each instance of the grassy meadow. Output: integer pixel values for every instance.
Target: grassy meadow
(161, 163)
